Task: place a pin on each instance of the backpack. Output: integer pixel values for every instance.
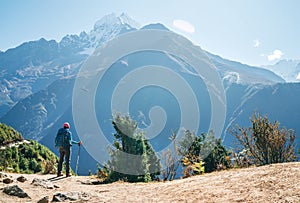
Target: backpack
(61, 139)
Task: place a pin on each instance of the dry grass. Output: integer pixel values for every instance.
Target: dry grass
(271, 183)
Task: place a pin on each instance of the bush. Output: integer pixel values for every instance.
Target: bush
(192, 168)
(266, 142)
(24, 164)
(205, 151)
(102, 173)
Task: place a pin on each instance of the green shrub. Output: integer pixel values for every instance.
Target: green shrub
(266, 142)
(205, 153)
(24, 164)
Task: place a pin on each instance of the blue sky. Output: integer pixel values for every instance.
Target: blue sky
(255, 32)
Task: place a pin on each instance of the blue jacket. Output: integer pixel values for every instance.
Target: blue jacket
(64, 138)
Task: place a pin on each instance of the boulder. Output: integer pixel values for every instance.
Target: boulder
(71, 196)
(15, 191)
(44, 200)
(21, 179)
(68, 196)
(43, 183)
(8, 180)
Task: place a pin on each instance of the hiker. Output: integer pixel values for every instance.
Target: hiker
(64, 141)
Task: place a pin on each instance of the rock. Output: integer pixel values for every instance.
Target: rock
(3, 175)
(42, 182)
(71, 196)
(21, 179)
(44, 200)
(15, 191)
(68, 196)
(56, 186)
(8, 180)
(85, 196)
(86, 182)
(89, 182)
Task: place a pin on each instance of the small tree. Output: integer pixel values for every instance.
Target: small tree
(206, 153)
(171, 160)
(266, 141)
(24, 164)
(131, 141)
(214, 153)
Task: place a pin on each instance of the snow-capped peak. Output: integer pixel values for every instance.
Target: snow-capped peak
(288, 69)
(110, 26)
(126, 19)
(111, 19)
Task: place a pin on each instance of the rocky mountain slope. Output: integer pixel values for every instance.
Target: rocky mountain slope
(34, 65)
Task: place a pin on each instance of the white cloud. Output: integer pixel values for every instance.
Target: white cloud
(277, 54)
(184, 26)
(256, 43)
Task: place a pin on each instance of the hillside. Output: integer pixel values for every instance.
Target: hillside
(271, 183)
(8, 135)
(19, 155)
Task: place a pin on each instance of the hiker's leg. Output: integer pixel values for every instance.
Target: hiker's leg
(68, 154)
(61, 160)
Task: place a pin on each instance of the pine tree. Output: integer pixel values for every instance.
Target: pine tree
(132, 158)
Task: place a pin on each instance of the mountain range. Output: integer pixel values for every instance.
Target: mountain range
(289, 70)
(37, 80)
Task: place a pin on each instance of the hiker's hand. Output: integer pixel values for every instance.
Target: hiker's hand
(79, 143)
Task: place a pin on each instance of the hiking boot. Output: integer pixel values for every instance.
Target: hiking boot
(59, 174)
(68, 175)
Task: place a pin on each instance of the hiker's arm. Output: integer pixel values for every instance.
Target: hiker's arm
(73, 141)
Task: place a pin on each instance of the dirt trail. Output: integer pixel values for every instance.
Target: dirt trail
(272, 183)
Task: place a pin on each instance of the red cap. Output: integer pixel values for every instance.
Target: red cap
(66, 125)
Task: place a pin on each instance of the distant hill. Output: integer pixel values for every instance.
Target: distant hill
(23, 156)
(289, 70)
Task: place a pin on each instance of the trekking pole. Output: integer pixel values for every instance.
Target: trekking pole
(77, 161)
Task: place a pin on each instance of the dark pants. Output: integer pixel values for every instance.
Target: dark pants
(64, 152)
